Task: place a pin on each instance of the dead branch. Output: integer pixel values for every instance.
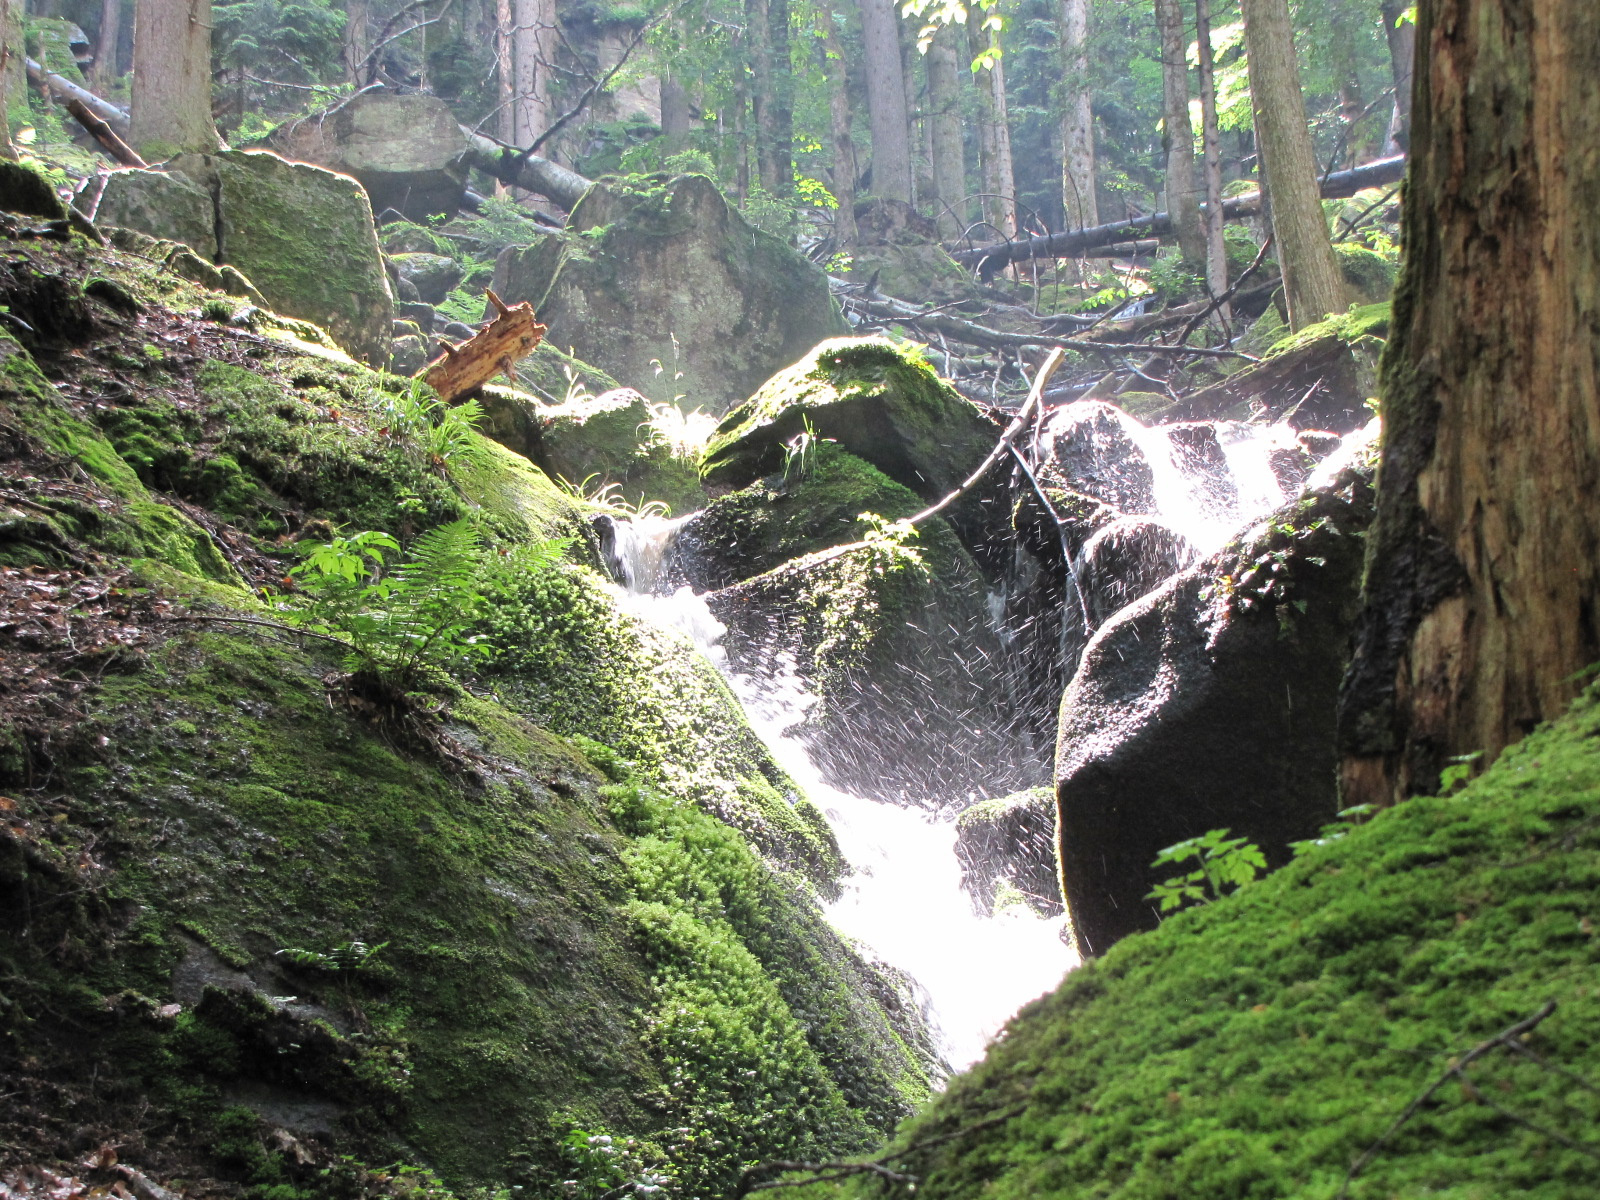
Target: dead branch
(599, 85)
(67, 90)
(104, 135)
(524, 169)
(496, 347)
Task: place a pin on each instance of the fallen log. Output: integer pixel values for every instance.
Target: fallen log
(104, 135)
(992, 258)
(67, 90)
(463, 369)
(523, 169)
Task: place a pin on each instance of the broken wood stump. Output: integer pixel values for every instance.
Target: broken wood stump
(463, 369)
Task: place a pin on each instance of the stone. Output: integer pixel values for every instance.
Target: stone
(1125, 559)
(305, 237)
(600, 435)
(408, 151)
(163, 204)
(24, 190)
(1207, 704)
(409, 354)
(882, 402)
(900, 249)
(1090, 447)
(660, 278)
(433, 275)
(425, 315)
(1008, 844)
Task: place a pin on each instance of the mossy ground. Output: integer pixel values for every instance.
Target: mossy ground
(1259, 1046)
(185, 798)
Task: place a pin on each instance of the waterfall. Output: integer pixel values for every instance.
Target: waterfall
(903, 899)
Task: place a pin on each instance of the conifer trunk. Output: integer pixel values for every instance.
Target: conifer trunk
(105, 51)
(1079, 203)
(1482, 592)
(886, 101)
(944, 121)
(843, 178)
(1211, 140)
(171, 112)
(533, 50)
(1311, 281)
(1402, 38)
(994, 137)
(1183, 198)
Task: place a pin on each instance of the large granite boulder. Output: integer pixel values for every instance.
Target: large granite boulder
(408, 151)
(303, 235)
(882, 402)
(433, 275)
(1210, 703)
(660, 278)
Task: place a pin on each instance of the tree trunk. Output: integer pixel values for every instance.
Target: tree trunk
(105, 48)
(1183, 198)
(1482, 590)
(1402, 36)
(886, 101)
(758, 32)
(533, 51)
(994, 137)
(505, 73)
(357, 39)
(944, 124)
(1311, 281)
(676, 120)
(844, 146)
(11, 80)
(1080, 205)
(1211, 139)
(171, 111)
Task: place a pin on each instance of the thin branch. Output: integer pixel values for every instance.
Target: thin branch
(598, 85)
(278, 625)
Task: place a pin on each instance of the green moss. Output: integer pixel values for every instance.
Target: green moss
(1363, 326)
(1259, 1045)
(1370, 275)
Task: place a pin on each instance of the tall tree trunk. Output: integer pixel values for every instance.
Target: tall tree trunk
(944, 125)
(994, 136)
(1482, 589)
(1311, 280)
(844, 145)
(914, 79)
(676, 119)
(886, 101)
(1079, 203)
(105, 49)
(1211, 140)
(781, 148)
(171, 111)
(505, 72)
(357, 42)
(766, 22)
(1183, 198)
(1402, 37)
(533, 53)
(12, 80)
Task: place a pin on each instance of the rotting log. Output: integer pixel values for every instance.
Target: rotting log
(992, 258)
(67, 90)
(523, 169)
(104, 135)
(463, 369)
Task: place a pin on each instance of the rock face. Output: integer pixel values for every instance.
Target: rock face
(665, 278)
(433, 275)
(1007, 850)
(1207, 704)
(303, 235)
(881, 403)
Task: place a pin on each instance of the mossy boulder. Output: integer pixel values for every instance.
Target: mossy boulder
(302, 235)
(1308, 1036)
(1007, 851)
(25, 190)
(1209, 703)
(899, 250)
(661, 276)
(433, 275)
(1369, 275)
(878, 399)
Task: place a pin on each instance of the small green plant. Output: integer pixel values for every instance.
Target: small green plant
(346, 956)
(603, 1167)
(440, 435)
(800, 451)
(400, 620)
(1223, 864)
(889, 544)
(683, 434)
(1458, 772)
(1349, 818)
(609, 495)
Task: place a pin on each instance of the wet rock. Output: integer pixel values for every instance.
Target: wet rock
(882, 404)
(24, 190)
(425, 315)
(660, 274)
(433, 275)
(1125, 559)
(1209, 703)
(1006, 848)
(594, 435)
(1089, 447)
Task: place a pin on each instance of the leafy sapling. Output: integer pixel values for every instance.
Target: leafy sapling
(1223, 864)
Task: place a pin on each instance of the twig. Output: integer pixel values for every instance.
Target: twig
(1455, 1070)
(598, 85)
(1218, 301)
(278, 625)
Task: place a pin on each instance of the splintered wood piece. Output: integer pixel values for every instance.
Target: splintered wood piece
(463, 369)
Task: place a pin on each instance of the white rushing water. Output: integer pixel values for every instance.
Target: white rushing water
(904, 899)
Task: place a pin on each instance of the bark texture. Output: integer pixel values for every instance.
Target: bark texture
(1081, 207)
(105, 71)
(1402, 37)
(171, 111)
(1484, 566)
(844, 146)
(533, 51)
(1211, 139)
(1183, 198)
(1312, 284)
(944, 121)
(994, 137)
(886, 101)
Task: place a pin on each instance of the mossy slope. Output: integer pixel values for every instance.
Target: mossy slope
(1258, 1046)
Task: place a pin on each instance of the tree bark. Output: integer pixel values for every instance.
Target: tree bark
(11, 81)
(357, 39)
(106, 41)
(676, 119)
(1402, 38)
(505, 72)
(533, 51)
(758, 33)
(1312, 284)
(1211, 140)
(944, 122)
(844, 146)
(886, 101)
(994, 137)
(1080, 205)
(171, 111)
(1482, 589)
(1183, 198)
